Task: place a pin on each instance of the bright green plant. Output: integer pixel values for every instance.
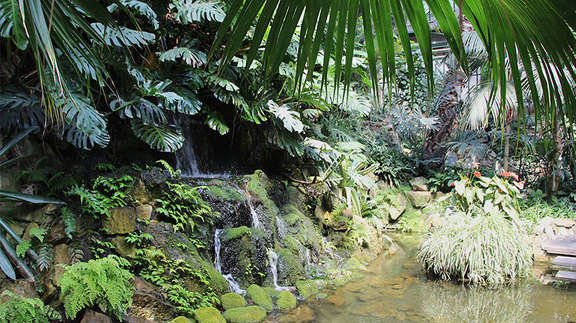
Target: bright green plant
(491, 194)
(183, 205)
(26, 310)
(104, 282)
(479, 250)
(36, 236)
(535, 207)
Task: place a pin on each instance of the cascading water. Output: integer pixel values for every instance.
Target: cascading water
(255, 220)
(273, 260)
(234, 285)
(282, 228)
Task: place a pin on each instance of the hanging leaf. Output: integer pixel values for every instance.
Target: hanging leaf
(189, 11)
(290, 119)
(164, 138)
(216, 122)
(6, 266)
(123, 37)
(192, 57)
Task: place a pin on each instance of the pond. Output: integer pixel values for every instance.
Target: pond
(395, 289)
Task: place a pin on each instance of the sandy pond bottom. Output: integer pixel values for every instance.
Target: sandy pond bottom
(394, 289)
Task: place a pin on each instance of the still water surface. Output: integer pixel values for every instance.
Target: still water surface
(394, 289)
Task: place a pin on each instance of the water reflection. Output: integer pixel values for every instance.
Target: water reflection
(394, 289)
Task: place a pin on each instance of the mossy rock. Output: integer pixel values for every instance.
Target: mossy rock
(307, 288)
(245, 314)
(419, 199)
(259, 296)
(208, 315)
(258, 184)
(225, 193)
(182, 319)
(289, 262)
(291, 243)
(286, 301)
(232, 300)
(236, 233)
(272, 292)
(354, 264)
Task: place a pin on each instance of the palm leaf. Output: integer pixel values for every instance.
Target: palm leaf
(6, 266)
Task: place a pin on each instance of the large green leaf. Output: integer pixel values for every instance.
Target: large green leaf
(536, 34)
(29, 198)
(164, 138)
(6, 266)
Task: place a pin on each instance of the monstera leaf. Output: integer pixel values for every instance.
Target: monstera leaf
(164, 138)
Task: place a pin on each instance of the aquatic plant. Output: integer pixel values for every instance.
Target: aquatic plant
(479, 250)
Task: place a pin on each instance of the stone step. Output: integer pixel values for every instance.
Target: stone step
(564, 247)
(566, 276)
(565, 262)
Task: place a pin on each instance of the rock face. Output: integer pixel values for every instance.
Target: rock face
(120, 221)
(149, 303)
(95, 317)
(144, 212)
(419, 199)
(245, 314)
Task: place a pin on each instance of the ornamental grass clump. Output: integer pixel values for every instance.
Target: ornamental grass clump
(479, 250)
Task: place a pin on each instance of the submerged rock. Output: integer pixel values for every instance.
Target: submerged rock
(286, 301)
(259, 296)
(307, 288)
(245, 314)
(208, 315)
(232, 300)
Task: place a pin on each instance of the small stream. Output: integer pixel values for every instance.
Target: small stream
(394, 289)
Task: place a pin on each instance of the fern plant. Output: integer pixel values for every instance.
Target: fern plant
(183, 205)
(26, 310)
(104, 282)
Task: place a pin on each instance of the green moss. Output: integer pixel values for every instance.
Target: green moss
(292, 215)
(354, 264)
(236, 233)
(272, 292)
(292, 268)
(214, 278)
(307, 288)
(259, 296)
(291, 243)
(208, 315)
(226, 193)
(232, 300)
(412, 221)
(245, 314)
(286, 301)
(257, 184)
(182, 319)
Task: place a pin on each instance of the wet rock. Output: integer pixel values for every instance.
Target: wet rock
(419, 199)
(236, 233)
(286, 301)
(259, 296)
(95, 317)
(419, 184)
(35, 214)
(208, 315)
(144, 212)
(307, 288)
(123, 248)
(300, 314)
(120, 221)
(245, 314)
(290, 268)
(232, 300)
(154, 176)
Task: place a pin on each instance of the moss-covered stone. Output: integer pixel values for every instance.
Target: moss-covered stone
(291, 243)
(286, 301)
(226, 193)
(419, 199)
(354, 264)
(245, 314)
(259, 296)
(291, 268)
(272, 292)
(232, 300)
(236, 233)
(208, 315)
(307, 288)
(182, 319)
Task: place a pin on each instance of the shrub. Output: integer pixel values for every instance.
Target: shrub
(478, 250)
(103, 282)
(25, 310)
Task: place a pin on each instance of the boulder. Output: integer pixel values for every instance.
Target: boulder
(149, 303)
(245, 314)
(259, 296)
(307, 288)
(209, 315)
(419, 184)
(232, 300)
(121, 221)
(419, 199)
(144, 212)
(182, 319)
(123, 248)
(141, 193)
(61, 257)
(398, 206)
(286, 301)
(95, 317)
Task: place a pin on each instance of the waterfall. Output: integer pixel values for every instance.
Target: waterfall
(305, 255)
(255, 220)
(234, 285)
(273, 260)
(282, 229)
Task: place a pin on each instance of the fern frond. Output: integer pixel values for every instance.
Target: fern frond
(45, 255)
(69, 220)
